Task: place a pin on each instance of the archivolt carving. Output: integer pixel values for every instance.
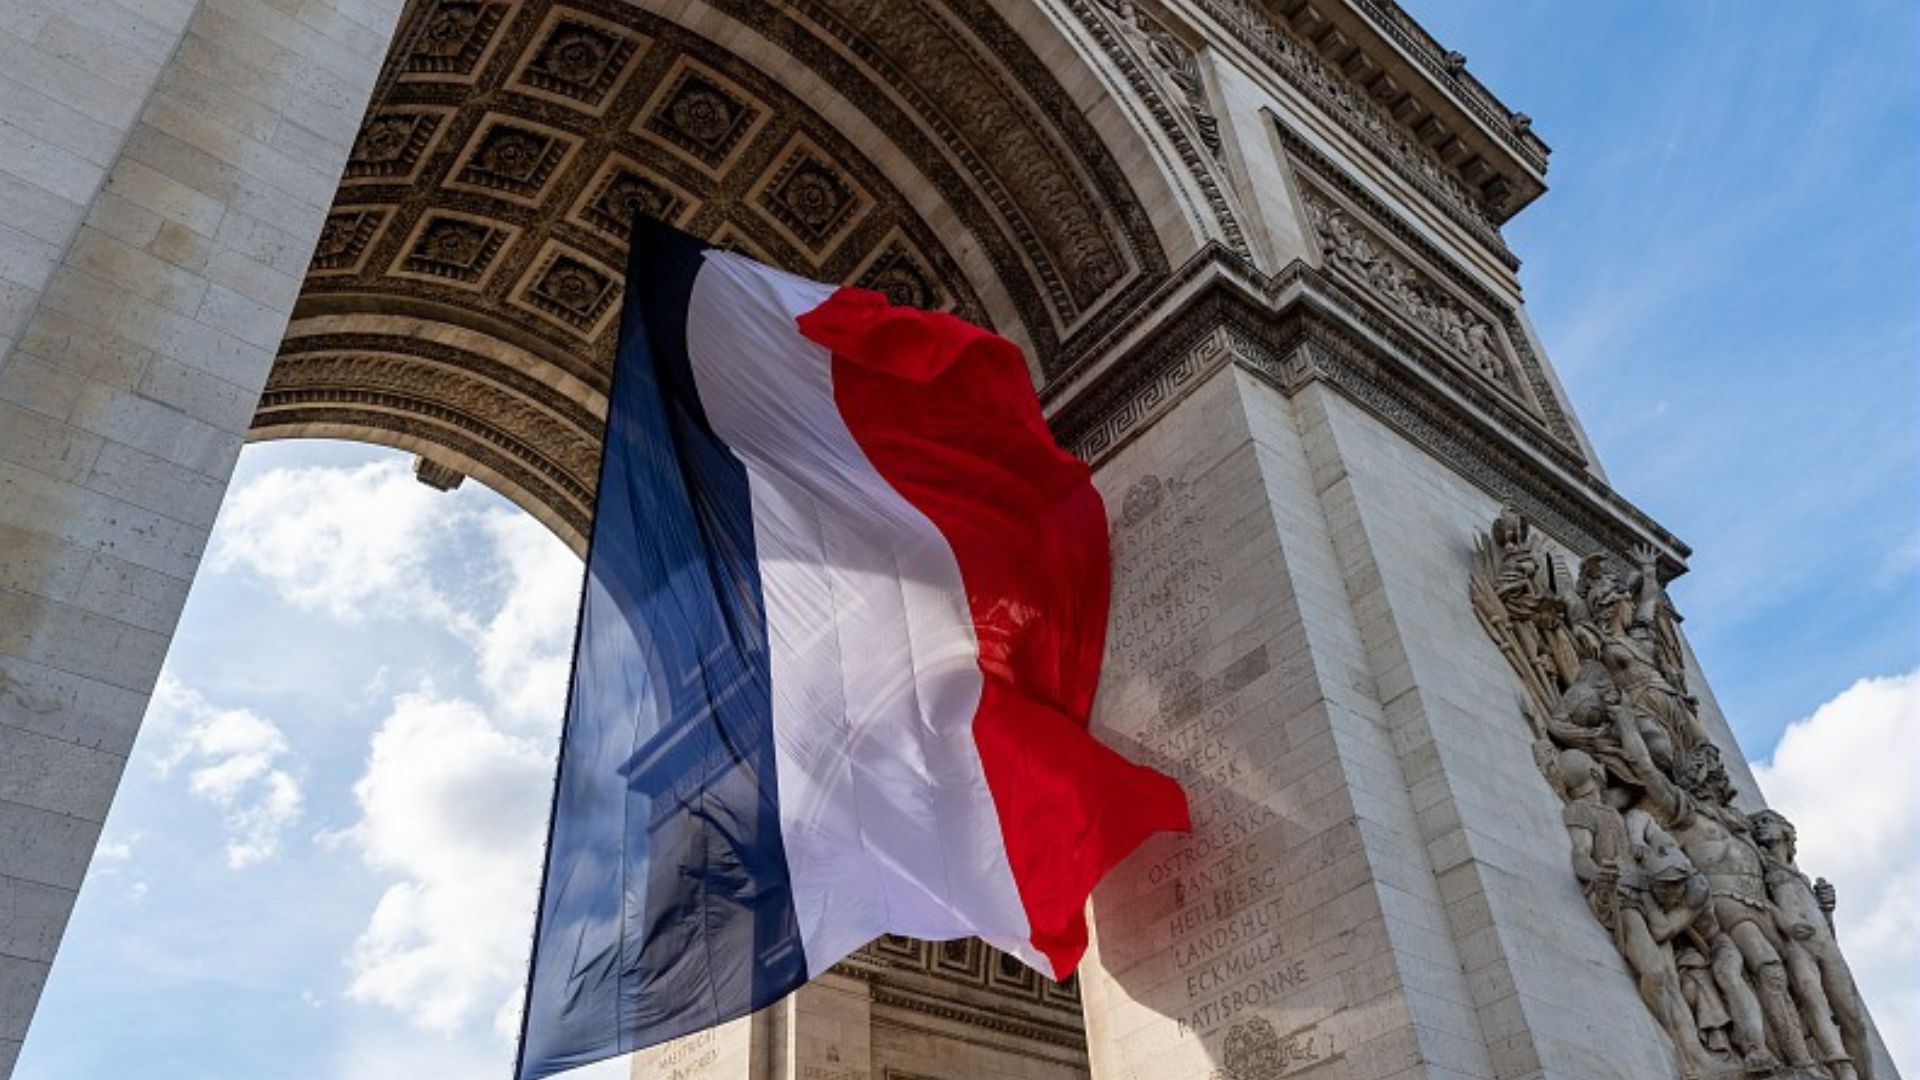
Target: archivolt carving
(1047, 201)
(368, 415)
(1128, 32)
(1730, 944)
(1174, 60)
(574, 453)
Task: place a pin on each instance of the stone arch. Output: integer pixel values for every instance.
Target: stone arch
(958, 154)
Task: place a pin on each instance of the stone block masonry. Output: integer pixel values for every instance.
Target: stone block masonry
(165, 169)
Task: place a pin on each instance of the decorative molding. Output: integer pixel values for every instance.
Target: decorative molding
(996, 190)
(342, 246)
(1351, 248)
(1010, 152)
(571, 288)
(438, 476)
(1449, 69)
(810, 199)
(512, 159)
(901, 272)
(1301, 327)
(1305, 157)
(455, 248)
(426, 423)
(1354, 109)
(967, 962)
(623, 189)
(453, 40)
(541, 443)
(1544, 398)
(1070, 1036)
(435, 354)
(703, 114)
(577, 60)
(392, 144)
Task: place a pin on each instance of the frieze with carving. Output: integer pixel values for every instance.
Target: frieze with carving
(1730, 945)
(1347, 103)
(1354, 251)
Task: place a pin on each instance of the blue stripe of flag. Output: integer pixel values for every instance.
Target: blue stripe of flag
(666, 906)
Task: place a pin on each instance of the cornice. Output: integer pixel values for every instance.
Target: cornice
(1374, 77)
(1301, 327)
(1448, 69)
(1062, 1035)
(1019, 1019)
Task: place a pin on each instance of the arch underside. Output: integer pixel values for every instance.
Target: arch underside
(463, 298)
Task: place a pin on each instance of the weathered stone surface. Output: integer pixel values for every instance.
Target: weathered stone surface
(32, 917)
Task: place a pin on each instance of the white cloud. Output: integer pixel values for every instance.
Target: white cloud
(349, 542)
(454, 797)
(373, 541)
(452, 803)
(455, 807)
(524, 654)
(1846, 778)
(233, 760)
(110, 855)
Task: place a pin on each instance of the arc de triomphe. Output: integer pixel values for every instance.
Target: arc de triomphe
(1457, 810)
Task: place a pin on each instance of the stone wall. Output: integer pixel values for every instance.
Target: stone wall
(165, 167)
(1296, 924)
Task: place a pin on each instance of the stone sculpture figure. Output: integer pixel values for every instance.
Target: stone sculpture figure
(1516, 594)
(1629, 627)
(1618, 891)
(1731, 947)
(1588, 718)
(1698, 812)
(1526, 580)
(1821, 979)
(1679, 890)
(1710, 1013)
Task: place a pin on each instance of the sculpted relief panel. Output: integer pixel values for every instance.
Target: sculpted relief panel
(1353, 251)
(1731, 945)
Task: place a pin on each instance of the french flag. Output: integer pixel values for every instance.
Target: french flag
(844, 613)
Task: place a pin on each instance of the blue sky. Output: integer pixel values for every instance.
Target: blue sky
(318, 865)
(1726, 273)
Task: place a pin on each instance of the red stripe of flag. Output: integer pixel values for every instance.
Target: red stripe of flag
(946, 413)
